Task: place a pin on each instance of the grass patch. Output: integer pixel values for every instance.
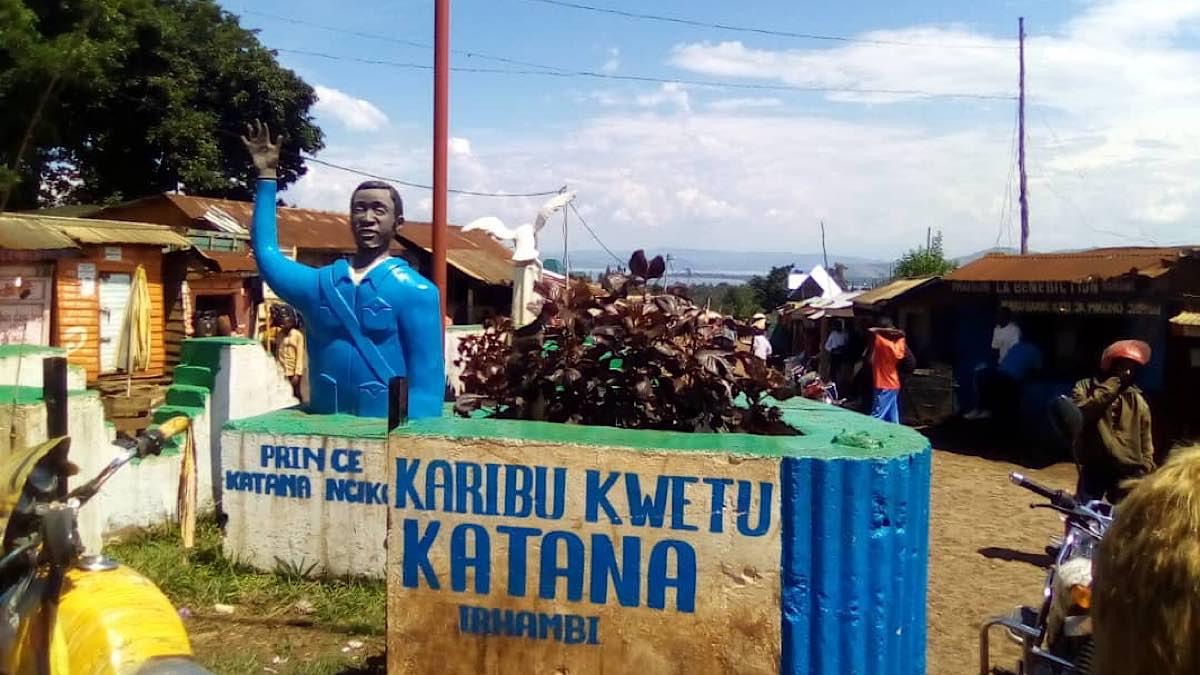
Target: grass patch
(202, 577)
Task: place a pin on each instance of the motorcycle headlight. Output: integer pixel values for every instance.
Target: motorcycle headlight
(1081, 596)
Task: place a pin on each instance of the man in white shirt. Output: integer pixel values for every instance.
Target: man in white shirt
(837, 338)
(761, 345)
(835, 352)
(1005, 335)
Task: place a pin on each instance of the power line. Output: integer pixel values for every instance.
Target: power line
(594, 235)
(398, 181)
(395, 40)
(659, 80)
(1086, 222)
(760, 31)
(405, 183)
(1006, 206)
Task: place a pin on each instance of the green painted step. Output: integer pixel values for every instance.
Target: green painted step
(188, 395)
(207, 351)
(198, 376)
(166, 412)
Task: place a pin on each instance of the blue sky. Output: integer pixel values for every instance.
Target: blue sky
(1111, 85)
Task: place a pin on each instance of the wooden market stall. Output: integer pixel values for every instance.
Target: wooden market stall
(82, 271)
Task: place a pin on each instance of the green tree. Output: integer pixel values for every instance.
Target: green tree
(740, 301)
(112, 99)
(771, 291)
(923, 261)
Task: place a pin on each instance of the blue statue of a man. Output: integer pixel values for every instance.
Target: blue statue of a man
(367, 320)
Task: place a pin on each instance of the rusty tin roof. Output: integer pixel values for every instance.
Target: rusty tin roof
(24, 231)
(1092, 265)
(473, 253)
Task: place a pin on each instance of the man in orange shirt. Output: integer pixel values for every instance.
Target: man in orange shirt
(886, 351)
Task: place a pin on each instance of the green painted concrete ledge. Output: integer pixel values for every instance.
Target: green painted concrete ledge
(828, 433)
(10, 395)
(19, 350)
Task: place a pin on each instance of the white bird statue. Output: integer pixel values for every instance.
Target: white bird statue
(524, 237)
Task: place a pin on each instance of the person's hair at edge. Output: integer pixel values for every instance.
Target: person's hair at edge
(885, 322)
(1146, 605)
(397, 202)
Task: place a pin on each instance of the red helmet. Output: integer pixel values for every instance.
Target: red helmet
(1134, 350)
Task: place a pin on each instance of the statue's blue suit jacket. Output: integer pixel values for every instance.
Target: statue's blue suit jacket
(390, 322)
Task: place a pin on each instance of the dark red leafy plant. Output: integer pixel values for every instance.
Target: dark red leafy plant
(624, 355)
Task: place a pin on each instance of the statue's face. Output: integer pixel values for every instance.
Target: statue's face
(372, 218)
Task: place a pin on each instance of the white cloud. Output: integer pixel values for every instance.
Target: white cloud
(354, 113)
(460, 146)
(669, 93)
(1113, 148)
(614, 61)
(744, 103)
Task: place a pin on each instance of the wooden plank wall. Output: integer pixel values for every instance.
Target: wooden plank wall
(224, 284)
(77, 318)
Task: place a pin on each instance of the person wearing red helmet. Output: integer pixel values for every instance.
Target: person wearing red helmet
(1116, 442)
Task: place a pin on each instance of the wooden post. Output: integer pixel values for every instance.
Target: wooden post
(397, 403)
(54, 395)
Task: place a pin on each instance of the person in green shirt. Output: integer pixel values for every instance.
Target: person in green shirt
(1116, 443)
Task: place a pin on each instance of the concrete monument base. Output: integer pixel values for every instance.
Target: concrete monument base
(517, 547)
(308, 492)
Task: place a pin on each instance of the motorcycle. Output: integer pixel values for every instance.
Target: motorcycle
(63, 613)
(810, 384)
(1056, 638)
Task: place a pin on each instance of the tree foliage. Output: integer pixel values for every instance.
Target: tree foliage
(112, 99)
(627, 356)
(771, 291)
(736, 300)
(924, 261)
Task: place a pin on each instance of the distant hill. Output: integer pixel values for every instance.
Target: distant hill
(736, 264)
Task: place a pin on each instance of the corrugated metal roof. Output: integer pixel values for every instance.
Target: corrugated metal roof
(891, 291)
(1096, 264)
(87, 231)
(231, 261)
(473, 253)
(1186, 319)
(70, 232)
(31, 233)
(817, 307)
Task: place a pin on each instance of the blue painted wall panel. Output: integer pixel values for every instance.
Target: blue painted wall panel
(855, 565)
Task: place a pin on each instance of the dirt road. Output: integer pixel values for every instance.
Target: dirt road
(986, 553)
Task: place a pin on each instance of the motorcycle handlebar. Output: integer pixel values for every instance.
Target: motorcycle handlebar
(1059, 498)
(151, 442)
(174, 426)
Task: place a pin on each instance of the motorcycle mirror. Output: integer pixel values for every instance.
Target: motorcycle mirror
(1066, 419)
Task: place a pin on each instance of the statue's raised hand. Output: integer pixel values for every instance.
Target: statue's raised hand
(264, 153)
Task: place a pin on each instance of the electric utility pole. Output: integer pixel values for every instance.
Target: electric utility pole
(441, 134)
(824, 253)
(1021, 138)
